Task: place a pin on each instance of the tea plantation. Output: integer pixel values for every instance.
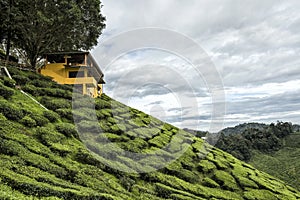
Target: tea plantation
(42, 155)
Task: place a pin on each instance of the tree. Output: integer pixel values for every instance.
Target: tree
(55, 25)
(7, 25)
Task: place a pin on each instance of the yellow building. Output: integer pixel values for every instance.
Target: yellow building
(75, 68)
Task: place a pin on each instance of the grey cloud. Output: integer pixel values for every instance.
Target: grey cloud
(251, 42)
(155, 103)
(268, 106)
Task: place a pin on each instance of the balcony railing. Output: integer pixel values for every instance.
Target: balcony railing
(83, 80)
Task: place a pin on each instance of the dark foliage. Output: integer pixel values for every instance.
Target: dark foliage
(266, 139)
(5, 91)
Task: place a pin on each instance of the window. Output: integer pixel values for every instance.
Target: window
(75, 74)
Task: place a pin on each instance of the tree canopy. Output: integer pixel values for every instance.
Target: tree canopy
(40, 26)
(267, 139)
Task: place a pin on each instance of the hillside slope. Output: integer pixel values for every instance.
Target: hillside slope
(284, 163)
(42, 154)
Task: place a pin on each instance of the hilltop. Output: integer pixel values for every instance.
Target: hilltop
(42, 154)
(243, 127)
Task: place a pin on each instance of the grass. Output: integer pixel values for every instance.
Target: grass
(47, 160)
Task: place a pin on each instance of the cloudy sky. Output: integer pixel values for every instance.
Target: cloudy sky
(254, 45)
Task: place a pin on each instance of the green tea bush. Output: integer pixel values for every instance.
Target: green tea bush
(9, 82)
(2, 117)
(56, 92)
(47, 136)
(136, 145)
(51, 115)
(40, 77)
(14, 71)
(28, 121)
(210, 183)
(105, 126)
(225, 180)
(20, 80)
(164, 191)
(67, 129)
(89, 126)
(40, 83)
(101, 104)
(65, 113)
(10, 111)
(116, 129)
(39, 119)
(83, 113)
(10, 147)
(63, 87)
(106, 112)
(85, 157)
(186, 175)
(206, 166)
(5, 91)
(258, 194)
(31, 89)
(54, 104)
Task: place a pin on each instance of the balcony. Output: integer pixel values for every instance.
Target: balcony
(83, 80)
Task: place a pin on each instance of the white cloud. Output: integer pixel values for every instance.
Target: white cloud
(254, 44)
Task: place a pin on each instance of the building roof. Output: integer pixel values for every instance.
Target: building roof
(66, 52)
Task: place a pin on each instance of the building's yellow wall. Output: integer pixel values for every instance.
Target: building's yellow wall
(60, 74)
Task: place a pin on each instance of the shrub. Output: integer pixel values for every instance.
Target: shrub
(31, 89)
(6, 92)
(41, 77)
(21, 80)
(65, 113)
(51, 115)
(206, 166)
(14, 71)
(89, 126)
(106, 112)
(54, 104)
(210, 183)
(100, 115)
(83, 114)
(225, 180)
(28, 121)
(9, 82)
(2, 117)
(67, 129)
(101, 104)
(56, 92)
(47, 136)
(40, 83)
(11, 111)
(10, 147)
(104, 126)
(39, 119)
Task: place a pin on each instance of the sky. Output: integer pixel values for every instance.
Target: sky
(251, 47)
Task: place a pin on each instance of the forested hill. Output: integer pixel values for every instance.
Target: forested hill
(242, 127)
(273, 148)
(242, 139)
(43, 157)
